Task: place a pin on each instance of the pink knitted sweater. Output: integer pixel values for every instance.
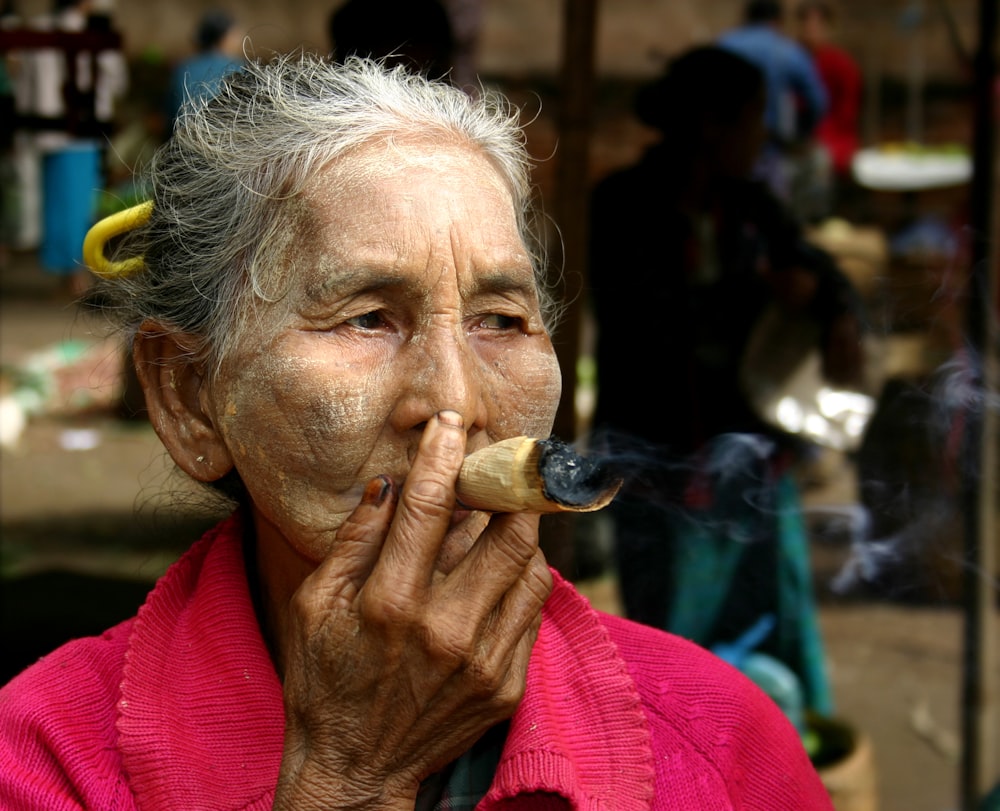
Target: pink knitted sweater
(180, 708)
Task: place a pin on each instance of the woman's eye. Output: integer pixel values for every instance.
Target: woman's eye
(372, 320)
(498, 321)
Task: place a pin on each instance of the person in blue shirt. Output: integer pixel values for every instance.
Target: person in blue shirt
(219, 44)
(795, 96)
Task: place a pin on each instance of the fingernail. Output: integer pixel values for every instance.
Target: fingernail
(449, 417)
(377, 490)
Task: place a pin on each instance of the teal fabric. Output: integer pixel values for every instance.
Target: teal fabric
(711, 559)
(799, 636)
(991, 802)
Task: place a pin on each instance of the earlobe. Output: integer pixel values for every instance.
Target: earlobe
(173, 383)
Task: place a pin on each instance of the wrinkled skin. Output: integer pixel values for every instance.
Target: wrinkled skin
(410, 335)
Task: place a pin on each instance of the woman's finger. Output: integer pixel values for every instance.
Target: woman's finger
(517, 614)
(496, 561)
(359, 543)
(425, 508)
(496, 670)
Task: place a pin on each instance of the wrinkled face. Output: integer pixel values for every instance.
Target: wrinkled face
(409, 291)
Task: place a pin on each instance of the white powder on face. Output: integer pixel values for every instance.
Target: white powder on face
(313, 409)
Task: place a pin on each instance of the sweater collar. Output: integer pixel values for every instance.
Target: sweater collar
(580, 732)
(201, 716)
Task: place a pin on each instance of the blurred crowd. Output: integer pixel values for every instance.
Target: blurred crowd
(81, 117)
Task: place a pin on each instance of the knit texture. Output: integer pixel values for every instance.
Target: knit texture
(180, 708)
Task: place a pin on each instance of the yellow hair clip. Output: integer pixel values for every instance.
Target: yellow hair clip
(104, 230)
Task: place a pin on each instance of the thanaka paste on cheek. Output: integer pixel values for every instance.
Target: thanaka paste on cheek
(301, 435)
(537, 385)
(312, 408)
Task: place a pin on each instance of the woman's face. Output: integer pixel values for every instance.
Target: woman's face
(409, 292)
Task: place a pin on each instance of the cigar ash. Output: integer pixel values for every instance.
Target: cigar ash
(522, 474)
(573, 480)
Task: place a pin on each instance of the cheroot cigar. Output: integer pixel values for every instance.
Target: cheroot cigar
(523, 474)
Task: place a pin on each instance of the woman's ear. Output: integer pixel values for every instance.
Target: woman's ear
(174, 385)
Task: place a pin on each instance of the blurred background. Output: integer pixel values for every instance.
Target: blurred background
(899, 497)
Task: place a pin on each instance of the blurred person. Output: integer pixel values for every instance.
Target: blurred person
(112, 81)
(218, 44)
(63, 126)
(795, 100)
(336, 293)
(415, 33)
(466, 18)
(688, 253)
(837, 130)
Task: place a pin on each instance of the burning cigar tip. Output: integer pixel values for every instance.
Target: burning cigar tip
(524, 474)
(574, 480)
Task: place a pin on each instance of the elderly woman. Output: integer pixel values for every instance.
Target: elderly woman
(337, 301)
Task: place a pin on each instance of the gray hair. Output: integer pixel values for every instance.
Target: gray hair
(221, 186)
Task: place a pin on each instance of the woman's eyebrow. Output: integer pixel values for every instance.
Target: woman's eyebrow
(519, 281)
(358, 280)
(352, 281)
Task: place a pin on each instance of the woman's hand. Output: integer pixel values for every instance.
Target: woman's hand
(394, 664)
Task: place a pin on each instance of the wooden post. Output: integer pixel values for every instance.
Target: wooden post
(980, 766)
(573, 189)
(570, 214)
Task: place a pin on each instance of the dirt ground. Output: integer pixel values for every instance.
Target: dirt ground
(91, 512)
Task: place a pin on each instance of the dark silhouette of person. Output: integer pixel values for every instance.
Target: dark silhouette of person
(417, 33)
(687, 254)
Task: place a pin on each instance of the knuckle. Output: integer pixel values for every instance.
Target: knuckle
(429, 497)
(452, 647)
(488, 682)
(353, 529)
(510, 693)
(519, 545)
(302, 605)
(385, 610)
(540, 578)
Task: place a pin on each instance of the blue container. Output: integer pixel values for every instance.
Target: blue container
(71, 181)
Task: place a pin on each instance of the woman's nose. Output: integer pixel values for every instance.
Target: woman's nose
(441, 371)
